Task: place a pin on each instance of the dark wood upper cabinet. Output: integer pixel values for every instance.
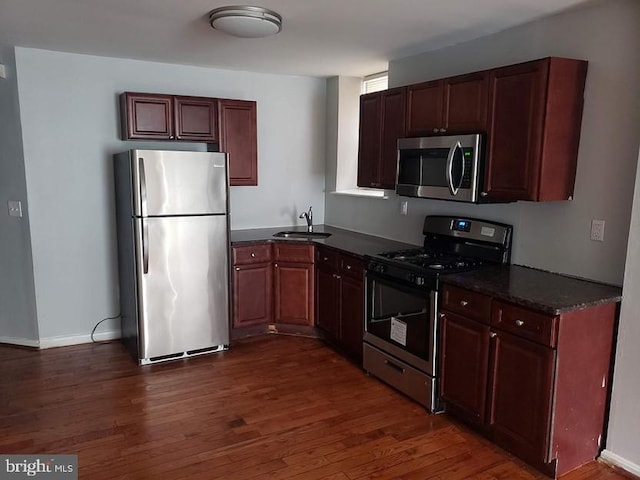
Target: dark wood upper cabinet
(238, 138)
(148, 116)
(465, 103)
(447, 106)
(382, 123)
(424, 108)
(535, 113)
(369, 146)
(195, 119)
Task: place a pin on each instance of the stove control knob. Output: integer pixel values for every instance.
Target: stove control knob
(379, 268)
(419, 280)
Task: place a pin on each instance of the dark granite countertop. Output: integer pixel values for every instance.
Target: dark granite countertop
(358, 244)
(546, 292)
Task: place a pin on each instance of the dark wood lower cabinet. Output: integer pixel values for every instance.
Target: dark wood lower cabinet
(519, 396)
(252, 295)
(294, 287)
(340, 299)
(535, 384)
(465, 352)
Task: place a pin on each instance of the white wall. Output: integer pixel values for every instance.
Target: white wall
(623, 442)
(17, 297)
(555, 235)
(70, 124)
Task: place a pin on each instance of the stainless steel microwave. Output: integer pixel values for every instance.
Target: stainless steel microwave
(445, 167)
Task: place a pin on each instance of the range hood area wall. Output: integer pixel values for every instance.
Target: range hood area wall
(553, 235)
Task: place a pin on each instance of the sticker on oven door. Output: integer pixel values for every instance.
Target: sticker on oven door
(398, 331)
(488, 231)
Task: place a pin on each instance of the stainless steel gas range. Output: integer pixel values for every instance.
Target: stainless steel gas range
(401, 309)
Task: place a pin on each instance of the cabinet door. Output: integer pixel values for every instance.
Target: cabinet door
(520, 393)
(195, 119)
(393, 127)
(424, 108)
(369, 146)
(464, 357)
(147, 116)
(465, 103)
(351, 314)
(252, 295)
(239, 139)
(327, 302)
(516, 117)
(294, 289)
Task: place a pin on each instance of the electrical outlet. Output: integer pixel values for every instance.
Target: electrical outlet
(15, 208)
(404, 207)
(597, 230)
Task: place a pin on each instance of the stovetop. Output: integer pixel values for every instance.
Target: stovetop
(451, 245)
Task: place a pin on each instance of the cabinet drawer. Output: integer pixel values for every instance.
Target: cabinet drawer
(351, 266)
(259, 253)
(293, 252)
(525, 323)
(327, 258)
(470, 304)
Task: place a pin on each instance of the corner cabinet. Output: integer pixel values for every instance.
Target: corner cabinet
(535, 113)
(149, 116)
(533, 383)
(294, 284)
(382, 123)
(340, 299)
(238, 138)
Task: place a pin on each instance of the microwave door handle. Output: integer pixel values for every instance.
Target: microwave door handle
(449, 172)
(458, 145)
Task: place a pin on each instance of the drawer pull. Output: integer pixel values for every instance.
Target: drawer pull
(348, 267)
(394, 366)
(519, 323)
(325, 259)
(464, 303)
(252, 255)
(237, 269)
(493, 335)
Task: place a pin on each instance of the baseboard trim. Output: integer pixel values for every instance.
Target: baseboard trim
(21, 342)
(52, 342)
(611, 458)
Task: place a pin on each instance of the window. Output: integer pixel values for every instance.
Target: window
(375, 82)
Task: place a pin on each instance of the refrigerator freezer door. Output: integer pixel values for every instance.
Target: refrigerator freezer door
(178, 183)
(183, 296)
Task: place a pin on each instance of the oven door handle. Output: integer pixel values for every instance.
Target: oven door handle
(449, 173)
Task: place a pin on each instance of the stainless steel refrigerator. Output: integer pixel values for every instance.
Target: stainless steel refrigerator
(173, 250)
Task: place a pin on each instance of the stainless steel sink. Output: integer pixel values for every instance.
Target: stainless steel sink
(299, 234)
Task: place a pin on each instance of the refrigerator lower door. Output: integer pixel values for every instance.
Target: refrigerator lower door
(182, 271)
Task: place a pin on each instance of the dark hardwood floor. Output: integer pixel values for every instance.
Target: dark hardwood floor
(272, 407)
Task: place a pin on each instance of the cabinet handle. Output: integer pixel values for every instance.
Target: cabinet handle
(178, 137)
(493, 335)
(394, 366)
(348, 267)
(483, 194)
(464, 303)
(441, 315)
(325, 259)
(442, 130)
(252, 255)
(237, 269)
(170, 137)
(519, 323)
(275, 265)
(435, 130)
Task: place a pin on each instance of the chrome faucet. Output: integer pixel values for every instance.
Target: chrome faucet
(308, 216)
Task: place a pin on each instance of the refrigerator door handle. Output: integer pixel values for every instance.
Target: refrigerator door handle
(145, 247)
(143, 187)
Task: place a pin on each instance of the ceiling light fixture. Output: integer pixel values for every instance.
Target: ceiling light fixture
(245, 21)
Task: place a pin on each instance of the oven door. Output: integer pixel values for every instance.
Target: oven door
(401, 321)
